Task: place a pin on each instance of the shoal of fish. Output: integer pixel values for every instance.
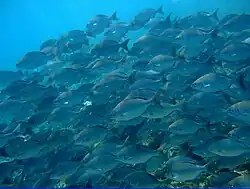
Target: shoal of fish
(170, 108)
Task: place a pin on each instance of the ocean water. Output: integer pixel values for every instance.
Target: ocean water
(24, 24)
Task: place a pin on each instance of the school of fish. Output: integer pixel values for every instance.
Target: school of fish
(169, 108)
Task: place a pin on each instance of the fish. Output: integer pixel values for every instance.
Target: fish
(145, 15)
(138, 178)
(152, 100)
(162, 63)
(234, 52)
(130, 108)
(117, 31)
(237, 23)
(159, 111)
(99, 23)
(183, 168)
(148, 41)
(127, 154)
(109, 47)
(212, 82)
(32, 60)
(227, 147)
(240, 181)
(239, 111)
(201, 19)
(193, 36)
(161, 25)
(184, 127)
(223, 178)
(146, 84)
(7, 77)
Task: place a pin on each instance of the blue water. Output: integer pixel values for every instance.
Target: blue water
(27, 23)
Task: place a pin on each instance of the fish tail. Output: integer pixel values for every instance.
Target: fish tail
(123, 59)
(168, 18)
(239, 79)
(160, 10)
(174, 52)
(124, 45)
(176, 23)
(180, 105)
(215, 14)
(214, 32)
(89, 183)
(164, 79)
(156, 98)
(209, 167)
(180, 54)
(114, 16)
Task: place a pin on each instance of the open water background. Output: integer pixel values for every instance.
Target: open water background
(25, 24)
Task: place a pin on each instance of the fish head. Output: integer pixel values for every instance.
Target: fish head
(117, 113)
(228, 53)
(94, 51)
(90, 33)
(233, 111)
(197, 85)
(179, 37)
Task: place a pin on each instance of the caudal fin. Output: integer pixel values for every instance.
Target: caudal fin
(123, 59)
(114, 16)
(214, 32)
(168, 20)
(160, 10)
(176, 23)
(174, 52)
(215, 15)
(124, 45)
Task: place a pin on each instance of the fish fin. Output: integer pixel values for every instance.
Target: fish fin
(156, 98)
(131, 78)
(153, 34)
(43, 53)
(214, 32)
(123, 59)
(168, 19)
(179, 105)
(124, 45)
(164, 79)
(229, 36)
(126, 141)
(34, 106)
(176, 23)
(89, 183)
(215, 14)
(22, 73)
(209, 166)
(239, 79)
(63, 179)
(178, 54)
(227, 97)
(174, 52)
(113, 16)
(160, 10)
(246, 44)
